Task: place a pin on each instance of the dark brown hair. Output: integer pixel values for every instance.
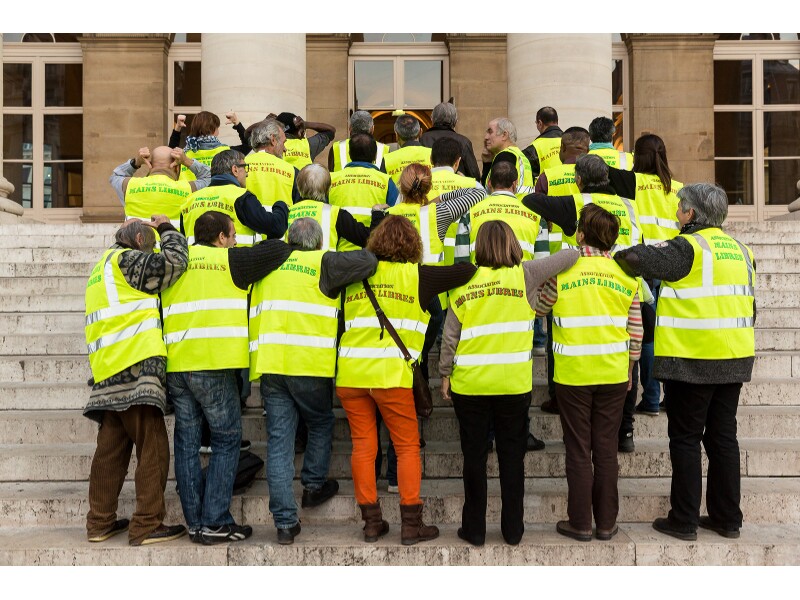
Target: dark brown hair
(209, 225)
(396, 240)
(650, 156)
(496, 246)
(600, 228)
(204, 123)
(415, 183)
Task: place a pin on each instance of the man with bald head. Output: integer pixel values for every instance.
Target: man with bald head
(160, 191)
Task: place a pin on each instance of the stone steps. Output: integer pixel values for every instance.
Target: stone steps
(66, 426)
(44, 286)
(343, 545)
(759, 458)
(65, 504)
(68, 303)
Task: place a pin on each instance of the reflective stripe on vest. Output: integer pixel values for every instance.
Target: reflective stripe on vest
(656, 209)
(303, 308)
(590, 349)
(506, 358)
(204, 333)
(287, 339)
(125, 334)
(406, 324)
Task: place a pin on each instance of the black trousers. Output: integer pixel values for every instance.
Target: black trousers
(475, 415)
(704, 413)
(629, 407)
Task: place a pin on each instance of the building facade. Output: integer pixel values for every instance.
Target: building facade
(77, 105)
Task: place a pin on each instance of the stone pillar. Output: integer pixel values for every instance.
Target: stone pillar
(254, 75)
(478, 82)
(570, 72)
(124, 108)
(326, 84)
(10, 211)
(672, 95)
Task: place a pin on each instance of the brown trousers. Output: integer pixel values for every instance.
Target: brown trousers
(590, 418)
(143, 426)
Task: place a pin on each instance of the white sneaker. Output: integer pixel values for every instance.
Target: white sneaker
(392, 489)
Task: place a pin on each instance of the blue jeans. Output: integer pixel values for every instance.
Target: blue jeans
(651, 388)
(539, 336)
(285, 397)
(213, 395)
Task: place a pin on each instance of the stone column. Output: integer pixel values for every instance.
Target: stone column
(478, 82)
(10, 211)
(254, 75)
(124, 108)
(326, 64)
(672, 95)
(570, 72)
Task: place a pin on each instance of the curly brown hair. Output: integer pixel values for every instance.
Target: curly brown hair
(415, 183)
(396, 240)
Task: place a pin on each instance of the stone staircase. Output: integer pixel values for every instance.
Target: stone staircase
(46, 445)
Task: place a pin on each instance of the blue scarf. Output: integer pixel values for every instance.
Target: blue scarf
(201, 142)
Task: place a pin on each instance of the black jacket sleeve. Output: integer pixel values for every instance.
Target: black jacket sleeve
(348, 228)
(623, 182)
(554, 209)
(249, 265)
(254, 215)
(244, 148)
(174, 139)
(533, 158)
(340, 269)
(434, 280)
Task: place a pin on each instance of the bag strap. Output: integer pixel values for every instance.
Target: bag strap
(386, 323)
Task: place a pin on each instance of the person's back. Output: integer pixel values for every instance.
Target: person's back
(655, 194)
(410, 151)
(601, 132)
(548, 144)
(615, 158)
(360, 122)
(159, 192)
(270, 178)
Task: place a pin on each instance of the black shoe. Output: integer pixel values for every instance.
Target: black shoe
(664, 525)
(245, 446)
(313, 498)
(118, 527)
(225, 533)
(564, 528)
(707, 523)
(534, 443)
(194, 535)
(550, 406)
(286, 536)
(662, 406)
(646, 410)
(464, 537)
(165, 533)
(626, 443)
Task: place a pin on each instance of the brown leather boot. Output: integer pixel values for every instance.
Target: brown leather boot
(413, 530)
(374, 525)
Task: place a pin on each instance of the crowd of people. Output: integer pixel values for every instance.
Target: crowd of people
(256, 263)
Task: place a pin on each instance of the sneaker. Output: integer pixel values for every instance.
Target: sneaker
(664, 525)
(164, 533)
(646, 410)
(539, 351)
(626, 443)
(313, 498)
(550, 406)
(534, 443)
(707, 523)
(118, 527)
(194, 534)
(392, 489)
(244, 446)
(225, 533)
(286, 536)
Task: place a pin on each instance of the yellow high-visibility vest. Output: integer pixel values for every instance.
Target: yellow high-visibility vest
(201, 156)
(324, 214)
(123, 326)
(357, 190)
(547, 150)
(425, 222)
(494, 354)
(297, 152)
(341, 154)
(590, 319)
(220, 198)
(506, 208)
(708, 315)
(270, 178)
(630, 232)
(368, 357)
(402, 157)
(656, 209)
(293, 325)
(560, 182)
(156, 195)
(615, 158)
(443, 181)
(525, 183)
(205, 315)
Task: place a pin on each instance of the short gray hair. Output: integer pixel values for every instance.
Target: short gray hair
(709, 201)
(306, 233)
(592, 170)
(263, 133)
(406, 127)
(361, 122)
(224, 161)
(505, 125)
(445, 115)
(313, 182)
(126, 236)
(602, 130)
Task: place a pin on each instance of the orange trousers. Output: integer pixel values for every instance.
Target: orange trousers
(397, 409)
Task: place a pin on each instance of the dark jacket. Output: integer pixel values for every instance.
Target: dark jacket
(468, 166)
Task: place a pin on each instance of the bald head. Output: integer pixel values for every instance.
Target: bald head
(161, 157)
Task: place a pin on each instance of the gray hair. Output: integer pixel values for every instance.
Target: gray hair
(445, 115)
(313, 182)
(504, 125)
(602, 130)
(361, 122)
(126, 236)
(592, 170)
(224, 161)
(710, 203)
(306, 233)
(263, 133)
(406, 127)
